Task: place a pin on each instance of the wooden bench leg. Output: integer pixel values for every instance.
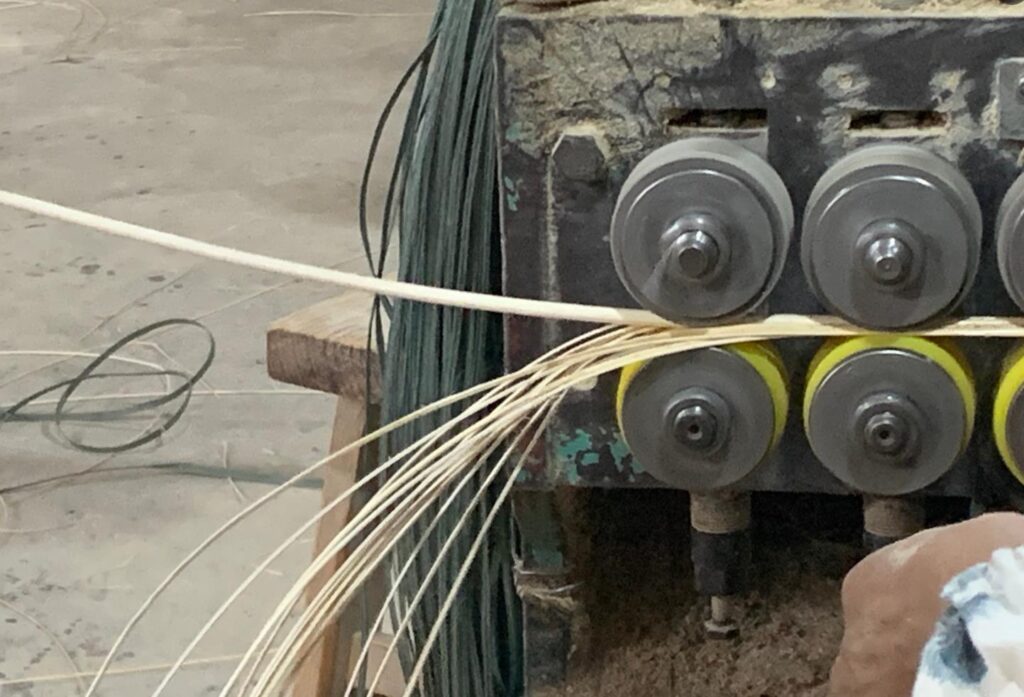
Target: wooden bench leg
(328, 665)
(316, 676)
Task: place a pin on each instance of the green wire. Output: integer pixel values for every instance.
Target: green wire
(443, 203)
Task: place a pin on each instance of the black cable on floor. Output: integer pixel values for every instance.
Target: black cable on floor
(67, 388)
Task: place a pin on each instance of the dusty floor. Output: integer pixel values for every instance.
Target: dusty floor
(648, 637)
(211, 119)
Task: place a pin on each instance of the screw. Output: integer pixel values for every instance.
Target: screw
(886, 433)
(888, 260)
(889, 252)
(696, 253)
(692, 247)
(887, 428)
(695, 426)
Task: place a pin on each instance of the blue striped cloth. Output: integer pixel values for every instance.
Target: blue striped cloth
(978, 646)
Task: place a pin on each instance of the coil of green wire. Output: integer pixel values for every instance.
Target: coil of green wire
(443, 201)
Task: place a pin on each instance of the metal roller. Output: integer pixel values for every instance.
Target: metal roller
(1010, 241)
(888, 415)
(1008, 413)
(700, 230)
(702, 420)
(891, 237)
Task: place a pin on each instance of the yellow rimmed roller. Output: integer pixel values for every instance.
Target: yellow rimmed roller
(702, 420)
(888, 414)
(1008, 413)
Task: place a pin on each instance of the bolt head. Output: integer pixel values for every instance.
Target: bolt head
(695, 426)
(579, 157)
(888, 260)
(696, 254)
(692, 248)
(891, 253)
(1020, 88)
(886, 433)
(887, 428)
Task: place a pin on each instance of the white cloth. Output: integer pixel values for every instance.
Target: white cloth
(978, 646)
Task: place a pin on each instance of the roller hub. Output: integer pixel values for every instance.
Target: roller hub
(888, 425)
(888, 415)
(700, 230)
(888, 253)
(891, 237)
(697, 253)
(699, 419)
(886, 434)
(702, 420)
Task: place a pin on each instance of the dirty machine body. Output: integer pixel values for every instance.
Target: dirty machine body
(714, 164)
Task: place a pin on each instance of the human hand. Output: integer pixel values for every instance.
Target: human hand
(891, 602)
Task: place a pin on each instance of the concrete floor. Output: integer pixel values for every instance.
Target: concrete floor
(204, 118)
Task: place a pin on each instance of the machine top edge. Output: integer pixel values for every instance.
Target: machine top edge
(766, 9)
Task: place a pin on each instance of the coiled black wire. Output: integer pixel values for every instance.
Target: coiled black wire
(59, 415)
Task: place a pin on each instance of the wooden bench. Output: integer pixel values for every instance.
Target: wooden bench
(323, 347)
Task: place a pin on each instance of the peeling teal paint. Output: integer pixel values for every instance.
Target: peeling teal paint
(577, 449)
(619, 451)
(568, 449)
(513, 134)
(511, 194)
(570, 445)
